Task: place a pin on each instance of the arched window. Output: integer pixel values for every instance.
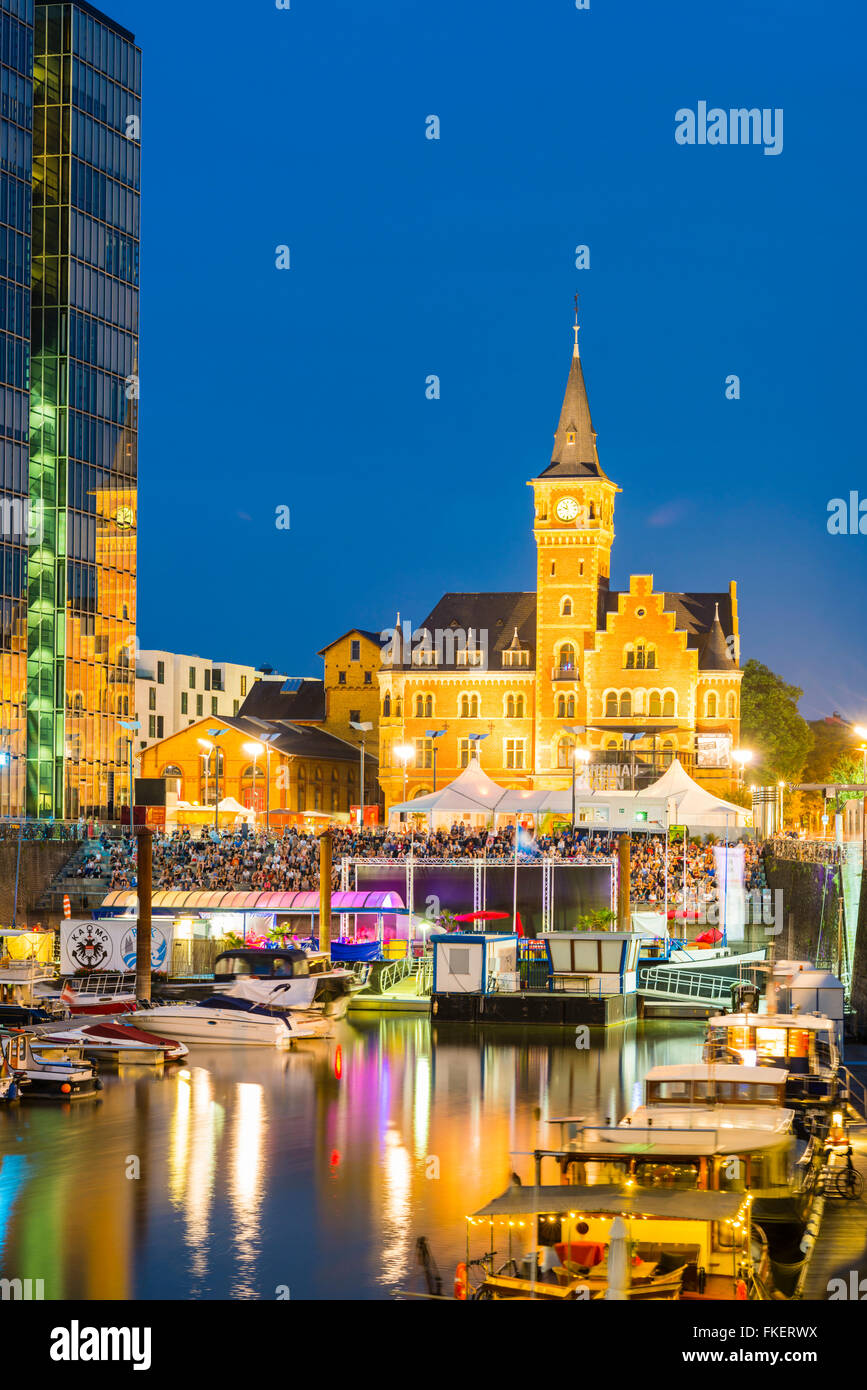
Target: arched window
(570, 707)
(651, 658)
(566, 608)
(419, 707)
(731, 705)
(567, 657)
(469, 707)
(398, 707)
(640, 656)
(668, 705)
(386, 706)
(654, 705)
(519, 707)
(252, 786)
(561, 706)
(428, 706)
(611, 705)
(710, 704)
(629, 657)
(564, 752)
(626, 705)
(510, 706)
(667, 751)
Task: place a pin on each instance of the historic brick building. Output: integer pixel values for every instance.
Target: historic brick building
(632, 677)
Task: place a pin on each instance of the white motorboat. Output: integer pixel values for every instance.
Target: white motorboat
(120, 1042)
(306, 982)
(221, 1019)
(47, 1070)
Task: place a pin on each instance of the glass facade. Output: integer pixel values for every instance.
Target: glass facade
(16, 123)
(83, 410)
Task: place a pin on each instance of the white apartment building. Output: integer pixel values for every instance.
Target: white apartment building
(173, 691)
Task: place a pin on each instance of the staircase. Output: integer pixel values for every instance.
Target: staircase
(84, 893)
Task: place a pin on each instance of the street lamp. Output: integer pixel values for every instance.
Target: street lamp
(217, 733)
(579, 755)
(403, 752)
(206, 759)
(476, 739)
(364, 727)
(742, 756)
(434, 734)
(254, 749)
(782, 787)
(133, 725)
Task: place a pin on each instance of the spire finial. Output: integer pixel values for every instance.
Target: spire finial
(575, 352)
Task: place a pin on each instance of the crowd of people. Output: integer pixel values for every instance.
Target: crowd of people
(249, 861)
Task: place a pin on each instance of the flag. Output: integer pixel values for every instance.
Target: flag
(519, 926)
(525, 844)
(67, 995)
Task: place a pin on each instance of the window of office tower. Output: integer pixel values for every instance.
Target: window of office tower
(84, 406)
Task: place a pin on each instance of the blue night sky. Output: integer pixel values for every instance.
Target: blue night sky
(306, 388)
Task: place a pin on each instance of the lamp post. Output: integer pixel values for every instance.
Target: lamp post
(742, 756)
(475, 740)
(579, 755)
(434, 734)
(403, 752)
(217, 733)
(206, 759)
(254, 749)
(364, 727)
(782, 788)
(133, 725)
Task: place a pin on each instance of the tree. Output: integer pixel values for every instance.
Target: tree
(848, 768)
(772, 726)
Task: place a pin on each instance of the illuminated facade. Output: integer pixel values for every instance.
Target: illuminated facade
(83, 410)
(630, 679)
(16, 121)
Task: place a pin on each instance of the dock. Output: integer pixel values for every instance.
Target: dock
(842, 1243)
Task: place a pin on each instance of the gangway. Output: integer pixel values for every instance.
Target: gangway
(685, 986)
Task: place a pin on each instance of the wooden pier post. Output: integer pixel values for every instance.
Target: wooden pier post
(624, 884)
(325, 891)
(144, 879)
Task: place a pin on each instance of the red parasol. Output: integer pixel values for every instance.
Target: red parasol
(480, 916)
(710, 937)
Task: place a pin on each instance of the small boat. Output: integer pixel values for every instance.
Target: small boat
(47, 1070)
(121, 1042)
(306, 981)
(220, 1019)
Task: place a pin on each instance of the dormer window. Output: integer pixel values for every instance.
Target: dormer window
(570, 436)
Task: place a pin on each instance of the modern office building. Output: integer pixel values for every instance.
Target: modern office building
(71, 84)
(16, 163)
(172, 691)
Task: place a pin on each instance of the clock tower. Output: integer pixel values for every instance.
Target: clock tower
(574, 531)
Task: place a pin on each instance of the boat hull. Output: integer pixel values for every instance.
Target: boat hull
(189, 1023)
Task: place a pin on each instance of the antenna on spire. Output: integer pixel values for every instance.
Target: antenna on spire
(575, 330)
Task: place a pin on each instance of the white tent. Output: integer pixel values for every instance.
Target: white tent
(472, 790)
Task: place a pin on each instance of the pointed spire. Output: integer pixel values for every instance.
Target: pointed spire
(515, 644)
(574, 454)
(717, 655)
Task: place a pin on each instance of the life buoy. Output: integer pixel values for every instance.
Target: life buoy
(461, 1281)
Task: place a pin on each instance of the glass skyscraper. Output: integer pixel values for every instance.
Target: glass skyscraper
(16, 163)
(71, 83)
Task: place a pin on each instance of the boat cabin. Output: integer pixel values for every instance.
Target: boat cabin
(285, 963)
(803, 1044)
(716, 1085)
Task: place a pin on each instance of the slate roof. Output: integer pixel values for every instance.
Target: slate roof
(299, 740)
(271, 700)
(494, 614)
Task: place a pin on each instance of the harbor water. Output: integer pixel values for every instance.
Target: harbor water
(256, 1174)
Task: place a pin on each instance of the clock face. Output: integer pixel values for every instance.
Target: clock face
(567, 509)
(124, 517)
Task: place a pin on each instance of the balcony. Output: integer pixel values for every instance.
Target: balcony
(569, 672)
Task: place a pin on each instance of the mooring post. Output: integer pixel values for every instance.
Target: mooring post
(624, 886)
(144, 879)
(325, 891)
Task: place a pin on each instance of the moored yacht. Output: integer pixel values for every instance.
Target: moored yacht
(220, 1019)
(47, 1070)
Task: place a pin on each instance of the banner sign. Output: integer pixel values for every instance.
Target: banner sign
(107, 945)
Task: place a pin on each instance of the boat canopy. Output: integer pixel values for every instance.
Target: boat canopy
(308, 902)
(615, 1200)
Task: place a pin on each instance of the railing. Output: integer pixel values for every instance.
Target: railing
(111, 984)
(856, 1092)
(565, 673)
(424, 977)
(685, 984)
(398, 970)
(809, 851)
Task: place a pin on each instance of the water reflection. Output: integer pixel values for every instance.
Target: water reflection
(316, 1169)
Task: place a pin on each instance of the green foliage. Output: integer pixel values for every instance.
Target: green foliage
(772, 727)
(599, 919)
(848, 768)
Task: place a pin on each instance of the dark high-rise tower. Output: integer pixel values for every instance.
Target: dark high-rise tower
(83, 409)
(16, 124)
